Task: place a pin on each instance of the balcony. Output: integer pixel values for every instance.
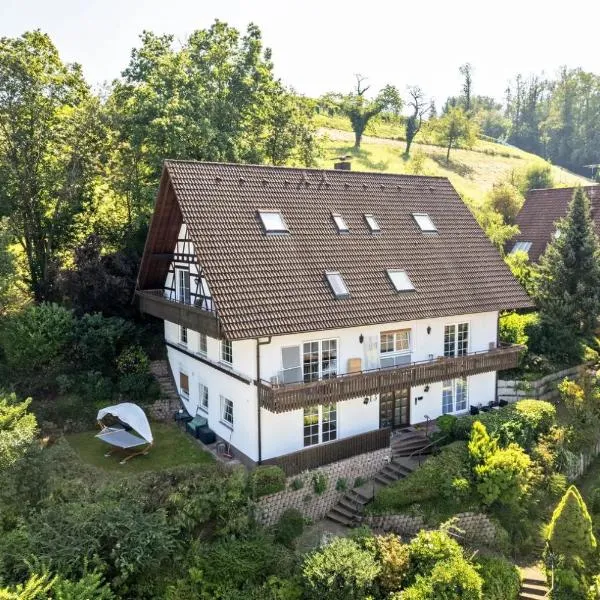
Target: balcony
(153, 302)
(279, 398)
(323, 454)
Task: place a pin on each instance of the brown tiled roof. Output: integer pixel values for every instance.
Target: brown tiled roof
(275, 284)
(542, 209)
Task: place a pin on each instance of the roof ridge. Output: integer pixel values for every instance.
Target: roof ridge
(167, 161)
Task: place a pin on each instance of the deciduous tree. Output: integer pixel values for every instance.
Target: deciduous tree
(455, 128)
(360, 109)
(414, 121)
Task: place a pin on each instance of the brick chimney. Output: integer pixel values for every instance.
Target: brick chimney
(343, 163)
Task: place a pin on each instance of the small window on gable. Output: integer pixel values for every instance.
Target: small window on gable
(337, 283)
(522, 246)
(340, 223)
(424, 222)
(372, 223)
(272, 221)
(400, 280)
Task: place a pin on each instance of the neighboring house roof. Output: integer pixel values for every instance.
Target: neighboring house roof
(542, 209)
(276, 284)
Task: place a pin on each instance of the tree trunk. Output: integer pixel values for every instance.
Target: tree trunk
(357, 139)
(448, 153)
(408, 145)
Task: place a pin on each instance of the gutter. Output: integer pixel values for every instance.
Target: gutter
(258, 345)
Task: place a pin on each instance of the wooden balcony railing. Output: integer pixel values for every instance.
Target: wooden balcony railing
(153, 302)
(323, 454)
(285, 397)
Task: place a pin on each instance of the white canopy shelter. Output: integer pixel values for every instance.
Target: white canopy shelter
(132, 415)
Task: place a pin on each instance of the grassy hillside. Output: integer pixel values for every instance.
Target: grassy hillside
(472, 172)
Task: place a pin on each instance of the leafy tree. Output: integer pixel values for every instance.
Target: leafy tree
(18, 429)
(525, 272)
(429, 548)
(570, 531)
(568, 292)
(481, 445)
(360, 109)
(414, 121)
(455, 128)
(494, 226)
(49, 137)
(99, 282)
(534, 177)
(339, 571)
(504, 198)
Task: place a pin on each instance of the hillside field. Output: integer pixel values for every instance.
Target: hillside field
(473, 172)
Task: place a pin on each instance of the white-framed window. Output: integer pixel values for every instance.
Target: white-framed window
(272, 221)
(184, 384)
(226, 352)
(320, 424)
(340, 223)
(203, 396)
(183, 285)
(183, 335)
(455, 395)
(227, 412)
(372, 223)
(394, 347)
(319, 360)
(202, 344)
(456, 339)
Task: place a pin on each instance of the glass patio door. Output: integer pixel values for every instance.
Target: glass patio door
(394, 408)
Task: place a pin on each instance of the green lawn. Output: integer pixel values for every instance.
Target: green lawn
(172, 448)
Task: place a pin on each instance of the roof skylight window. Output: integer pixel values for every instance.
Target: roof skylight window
(337, 283)
(424, 222)
(273, 221)
(372, 223)
(400, 280)
(340, 223)
(522, 246)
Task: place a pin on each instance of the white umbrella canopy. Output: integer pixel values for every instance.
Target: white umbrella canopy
(131, 414)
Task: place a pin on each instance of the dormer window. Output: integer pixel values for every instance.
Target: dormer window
(340, 223)
(424, 222)
(400, 280)
(521, 246)
(372, 223)
(272, 221)
(337, 284)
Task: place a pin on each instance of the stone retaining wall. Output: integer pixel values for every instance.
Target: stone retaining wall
(162, 409)
(544, 388)
(312, 505)
(472, 528)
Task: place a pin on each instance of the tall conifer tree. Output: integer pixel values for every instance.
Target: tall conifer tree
(568, 294)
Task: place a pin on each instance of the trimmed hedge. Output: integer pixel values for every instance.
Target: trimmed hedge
(266, 480)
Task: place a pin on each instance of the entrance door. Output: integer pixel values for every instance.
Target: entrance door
(394, 408)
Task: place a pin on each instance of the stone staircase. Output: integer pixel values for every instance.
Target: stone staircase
(533, 584)
(409, 442)
(349, 509)
(169, 398)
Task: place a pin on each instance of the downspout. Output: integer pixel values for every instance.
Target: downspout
(258, 384)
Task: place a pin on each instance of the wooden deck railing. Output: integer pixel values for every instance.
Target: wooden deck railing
(285, 397)
(153, 302)
(323, 454)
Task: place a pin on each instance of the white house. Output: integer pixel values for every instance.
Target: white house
(307, 312)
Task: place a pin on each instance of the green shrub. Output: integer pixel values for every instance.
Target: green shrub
(289, 527)
(94, 387)
(139, 387)
(133, 361)
(429, 548)
(454, 579)
(359, 481)
(341, 485)
(319, 481)
(446, 425)
(341, 570)
(513, 327)
(297, 484)
(434, 480)
(570, 584)
(595, 504)
(393, 558)
(501, 578)
(538, 415)
(266, 480)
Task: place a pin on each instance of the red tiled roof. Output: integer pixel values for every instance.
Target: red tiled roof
(542, 209)
(275, 284)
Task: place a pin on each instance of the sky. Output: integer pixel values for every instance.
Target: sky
(319, 45)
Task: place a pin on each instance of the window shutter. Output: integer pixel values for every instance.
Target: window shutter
(292, 366)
